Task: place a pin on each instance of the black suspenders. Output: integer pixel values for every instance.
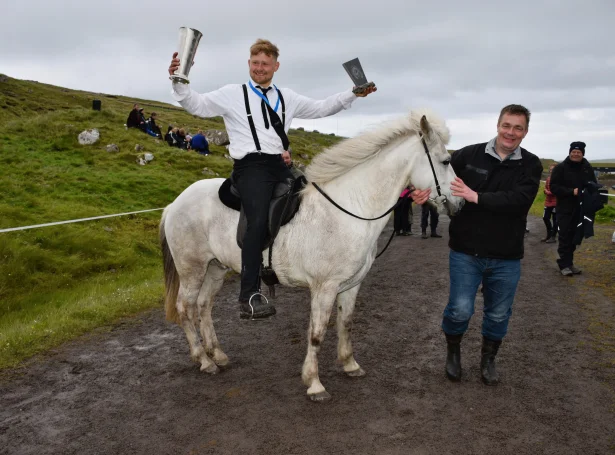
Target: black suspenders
(251, 121)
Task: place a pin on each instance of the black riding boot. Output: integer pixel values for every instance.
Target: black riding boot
(487, 361)
(453, 357)
(255, 308)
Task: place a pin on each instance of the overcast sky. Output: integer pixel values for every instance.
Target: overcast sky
(464, 59)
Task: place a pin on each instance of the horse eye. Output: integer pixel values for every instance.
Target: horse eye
(446, 162)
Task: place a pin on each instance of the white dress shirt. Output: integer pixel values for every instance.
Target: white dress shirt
(229, 103)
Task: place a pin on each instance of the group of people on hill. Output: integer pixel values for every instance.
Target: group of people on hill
(136, 119)
(175, 137)
(178, 137)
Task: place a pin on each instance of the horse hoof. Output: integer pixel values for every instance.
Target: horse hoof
(222, 362)
(211, 369)
(320, 397)
(356, 373)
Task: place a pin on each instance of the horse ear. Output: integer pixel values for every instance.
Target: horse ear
(425, 127)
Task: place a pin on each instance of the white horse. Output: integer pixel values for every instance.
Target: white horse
(322, 248)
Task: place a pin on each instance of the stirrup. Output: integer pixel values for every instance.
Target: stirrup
(250, 302)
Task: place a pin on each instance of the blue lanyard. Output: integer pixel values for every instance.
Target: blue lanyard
(264, 98)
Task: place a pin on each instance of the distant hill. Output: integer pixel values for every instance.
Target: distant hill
(603, 162)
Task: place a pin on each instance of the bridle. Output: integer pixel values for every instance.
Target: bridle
(441, 199)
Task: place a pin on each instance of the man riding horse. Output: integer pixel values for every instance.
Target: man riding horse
(258, 138)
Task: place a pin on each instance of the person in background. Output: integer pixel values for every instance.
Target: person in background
(550, 211)
(567, 182)
(181, 139)
(499, 181)
(426, 211)
(403, 213)
(152, 128)
(142, 122)
(200, 144)
(167, 137)
(134, 119)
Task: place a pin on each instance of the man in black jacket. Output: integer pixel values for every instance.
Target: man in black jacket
(134, 119)
(567, 182)
(499, 181)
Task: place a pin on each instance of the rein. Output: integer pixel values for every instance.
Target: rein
(320, 190)
(440, 197)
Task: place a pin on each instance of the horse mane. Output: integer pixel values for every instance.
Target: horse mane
(342, 157)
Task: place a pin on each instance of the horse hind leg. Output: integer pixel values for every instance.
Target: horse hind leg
(322, 305)
(214, 279)
(345, 309)
(188, 316)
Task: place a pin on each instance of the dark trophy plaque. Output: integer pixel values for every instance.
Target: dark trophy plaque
(355, 71)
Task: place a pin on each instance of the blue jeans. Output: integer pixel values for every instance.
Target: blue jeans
(499, 278)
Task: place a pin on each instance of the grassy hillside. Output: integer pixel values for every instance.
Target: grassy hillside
(57, 282)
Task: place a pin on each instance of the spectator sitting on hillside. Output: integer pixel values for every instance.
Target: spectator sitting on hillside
(142, 122)
(181, 139)
(199, 143)
(168, 137)
(152, 128)
(134, 119)
(174, 137)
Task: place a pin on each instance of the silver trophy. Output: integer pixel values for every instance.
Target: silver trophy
(188, 42)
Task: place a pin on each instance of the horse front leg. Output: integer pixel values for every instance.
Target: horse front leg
(214, 279)
(322, 305)
(345, 309)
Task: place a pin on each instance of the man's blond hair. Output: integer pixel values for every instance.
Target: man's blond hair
(266, 47)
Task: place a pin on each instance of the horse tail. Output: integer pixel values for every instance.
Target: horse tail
(171, 277)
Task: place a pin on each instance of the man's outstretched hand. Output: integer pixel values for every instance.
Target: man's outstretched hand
(367, 91)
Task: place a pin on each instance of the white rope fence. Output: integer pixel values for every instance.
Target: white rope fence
(23, 228)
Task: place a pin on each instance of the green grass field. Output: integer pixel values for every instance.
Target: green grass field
(59, 282)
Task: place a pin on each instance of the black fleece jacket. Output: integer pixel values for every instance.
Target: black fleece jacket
(495, 226)
(567, 176)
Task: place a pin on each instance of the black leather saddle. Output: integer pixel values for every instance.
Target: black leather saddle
(282, 208)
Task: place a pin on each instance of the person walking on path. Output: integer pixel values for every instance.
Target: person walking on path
(426, 211)
(549, 215)
(568, 180)
(403, 213)
(257, 116)
(499, 181)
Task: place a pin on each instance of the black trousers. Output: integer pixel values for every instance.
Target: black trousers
(426, 210)
(567, 226)
(256, 176)
(546, 217)
(401, 214)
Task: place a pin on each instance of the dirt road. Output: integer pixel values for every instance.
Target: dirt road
(134, 390)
